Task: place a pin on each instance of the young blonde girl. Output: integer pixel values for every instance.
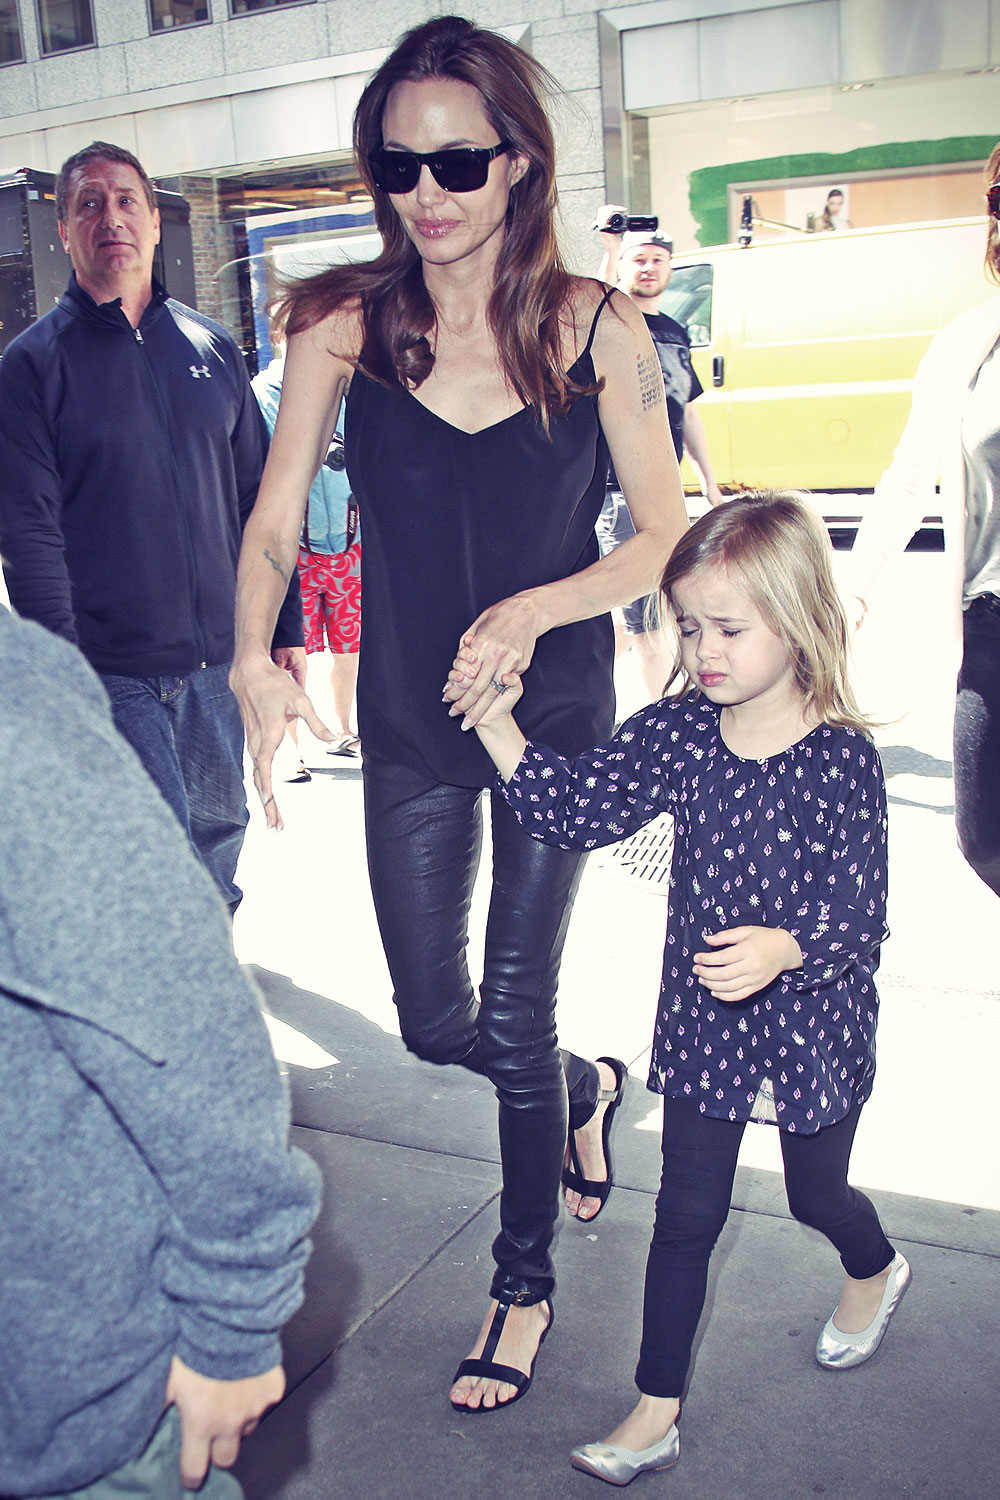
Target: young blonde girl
(777, 911)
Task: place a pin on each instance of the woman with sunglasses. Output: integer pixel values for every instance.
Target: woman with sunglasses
(953, 435)
(484, 386)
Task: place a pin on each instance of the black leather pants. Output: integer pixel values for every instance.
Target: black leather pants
(424, 842)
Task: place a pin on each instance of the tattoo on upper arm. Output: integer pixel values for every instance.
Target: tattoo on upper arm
(650, 382)
(275, 564)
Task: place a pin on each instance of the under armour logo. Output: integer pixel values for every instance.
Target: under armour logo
(199, 370)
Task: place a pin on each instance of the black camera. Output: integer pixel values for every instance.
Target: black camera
(631, 223)
(335, 457)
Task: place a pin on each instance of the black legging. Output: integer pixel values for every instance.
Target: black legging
(699, 1165)
(977, 741)
(424, 841)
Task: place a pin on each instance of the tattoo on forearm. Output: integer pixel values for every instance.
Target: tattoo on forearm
(275, 564)
(650, 382)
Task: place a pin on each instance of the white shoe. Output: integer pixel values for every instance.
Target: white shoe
(837, 1350)
(618, 1465)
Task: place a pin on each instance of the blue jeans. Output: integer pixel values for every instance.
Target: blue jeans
(188, 734)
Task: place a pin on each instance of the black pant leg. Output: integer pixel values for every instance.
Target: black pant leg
(820, 1195)
(534, 887)
(977, 741)
(423, 852)
(423, 843)
(696, 1189)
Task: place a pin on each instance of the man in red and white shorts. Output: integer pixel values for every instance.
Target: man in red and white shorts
(330, 579)
(331, 610)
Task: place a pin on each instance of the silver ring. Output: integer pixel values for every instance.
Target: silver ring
(498, 687)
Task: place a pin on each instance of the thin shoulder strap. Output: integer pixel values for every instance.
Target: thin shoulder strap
(608, 290)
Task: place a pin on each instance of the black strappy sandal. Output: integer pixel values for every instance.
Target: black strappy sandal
(483, 1368)
(573, 1177)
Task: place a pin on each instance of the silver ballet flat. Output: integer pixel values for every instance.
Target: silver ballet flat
(837, 1350)
(619, 1465)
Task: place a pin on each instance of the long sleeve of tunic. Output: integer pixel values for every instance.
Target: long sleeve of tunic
(796, 841)
(151, 1203)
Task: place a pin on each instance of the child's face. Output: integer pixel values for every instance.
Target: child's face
(726, 646)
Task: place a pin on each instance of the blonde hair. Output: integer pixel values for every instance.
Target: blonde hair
(773, 545)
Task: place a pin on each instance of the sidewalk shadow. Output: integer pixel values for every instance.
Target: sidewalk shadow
(904, 759)
(375, 1089)
(390, 1197)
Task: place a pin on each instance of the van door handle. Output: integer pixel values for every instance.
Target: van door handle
(718, 369)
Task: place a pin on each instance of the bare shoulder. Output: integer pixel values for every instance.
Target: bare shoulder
(320, 361)
(338, 335)
(621, 337)
(618, 323)
(972, 333)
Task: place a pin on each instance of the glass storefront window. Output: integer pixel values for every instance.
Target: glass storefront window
(166, 14)
(64, 24)
(253, 225)
(246, 7)
(11, 49)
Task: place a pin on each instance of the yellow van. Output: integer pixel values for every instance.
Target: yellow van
(807, 346)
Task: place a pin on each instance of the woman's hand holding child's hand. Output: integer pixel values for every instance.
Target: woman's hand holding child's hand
(747, 960)
(501, 641)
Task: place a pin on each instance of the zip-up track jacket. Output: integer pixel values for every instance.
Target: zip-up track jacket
(129, 463)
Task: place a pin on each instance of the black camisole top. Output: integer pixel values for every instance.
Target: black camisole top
(452, 522)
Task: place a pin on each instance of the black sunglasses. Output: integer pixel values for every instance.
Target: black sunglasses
(462, 169)
(993, 199)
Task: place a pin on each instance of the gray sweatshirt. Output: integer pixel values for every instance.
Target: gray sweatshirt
(149, 1202)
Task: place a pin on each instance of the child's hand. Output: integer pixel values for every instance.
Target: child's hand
(463, 672)
(490, 717)
(747, 960)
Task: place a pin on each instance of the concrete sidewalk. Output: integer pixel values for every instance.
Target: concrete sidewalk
(398, 1279)
(399, 1276)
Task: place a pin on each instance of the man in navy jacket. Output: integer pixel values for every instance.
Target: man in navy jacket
(131, 448)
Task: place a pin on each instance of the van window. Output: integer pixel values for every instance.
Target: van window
(688, 299)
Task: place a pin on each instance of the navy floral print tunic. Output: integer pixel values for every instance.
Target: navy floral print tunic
(797, 841)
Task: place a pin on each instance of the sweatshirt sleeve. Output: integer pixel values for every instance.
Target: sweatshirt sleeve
(31, 538)
(117, 935)
(907, 490)
(597, 798)
(843, 922)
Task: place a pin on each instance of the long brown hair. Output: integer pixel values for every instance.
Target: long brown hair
(774, 546)
(993, 230)
(531, 286)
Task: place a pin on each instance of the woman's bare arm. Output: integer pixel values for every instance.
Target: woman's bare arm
(313, 387)
(634, 418)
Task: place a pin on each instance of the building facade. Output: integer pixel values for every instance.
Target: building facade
(884, 109)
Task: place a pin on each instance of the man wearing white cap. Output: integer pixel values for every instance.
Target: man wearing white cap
(639, 262)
